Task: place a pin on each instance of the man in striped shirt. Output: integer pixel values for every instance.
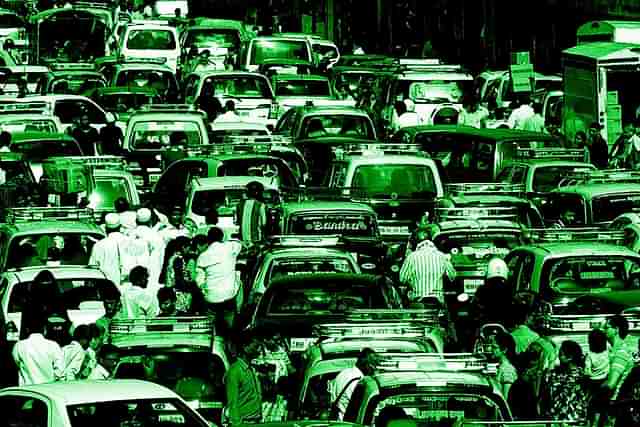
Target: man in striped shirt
(251, 214)
(424, 270)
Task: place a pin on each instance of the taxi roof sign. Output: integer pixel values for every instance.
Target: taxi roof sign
(605, 176)
(75, 66)
(568, 154)
(428, 315)
(198, 331)
(586, 234)
(17, 215)
(489, 188)
(378, 149)
(503, 213)
(434, 362)
(169, 108)
(296, 241)
(99, 162)
(37, 107)
(368, 329)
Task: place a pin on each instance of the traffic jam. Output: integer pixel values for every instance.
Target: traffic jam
(207, 224)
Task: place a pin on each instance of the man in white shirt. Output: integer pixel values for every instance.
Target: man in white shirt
(39, 360)
(107, 253)
(341, 388)
(75, 352)
(108, 357)
(409, 117)
(229, 114)
(154, 241)
(535, 123)
(216, 275)
(140, 297)
(521, 112)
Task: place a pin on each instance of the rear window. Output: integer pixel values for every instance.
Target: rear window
(292, 266)
(303, 88)
(125, 102)
(326, 300)
(609, 207)
(151, 40)
(405, 181)
(204, 201)
(157, 134)
(557, 204)
(39, 249)
(275, 169)
(213, 37)
(238, 86)
(161, 81)
(337, 125)
(278, 49)
(107, 191)
(547, 178)
(40, 150)
(73, 293)
(30, 125)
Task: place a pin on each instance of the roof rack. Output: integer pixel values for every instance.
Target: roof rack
(232, 148)
(417, 62)
(74, 66)
(139, 60)
(255, 139)
(433, 362)
(95, 5)
(604, 176)
(26, 107)
(377, 149)
(368, 329)
(169, 108)
(477, 213)
(491, 188)
(586, 234)
(189, 330)
(584, 323)
(568, 154)
(296, 241)
(325, 193)
(18, 215)
(429, 315)
(99, 162)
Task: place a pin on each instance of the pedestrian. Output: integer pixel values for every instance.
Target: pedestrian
(189, 298)
(491, 298)
(504, 350)
(242, 386)
(211, 218)
(111, 137)
(625, 153)
(216, 276)
(86, 136)
(139, 297)
(39, 360)
(107, 253)
(563, 396)
(208, 102)
(342, 387)
(127, 215)
(553, 129)
(155, 243)
(75, 353)
(522, 334)
(45, 300)
(535, 122)
(229, 114)
(521, 112)
(425, 269)
(473, 114)
(108, 358)
(113, 310)
(5, 142)
(580, 140)
(597, 146)
(409, 117)
(251, 214)
(596, 365)
(167, 303)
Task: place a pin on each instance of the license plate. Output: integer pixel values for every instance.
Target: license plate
(300, 344)
(392, 229)
(472, 285)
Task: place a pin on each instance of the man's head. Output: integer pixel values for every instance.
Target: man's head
(108, 357)
(82, 335)
(215, 235)
(112, 222)
(5, 139)
(139, 276)
(167, 300)
(121, 205)
(230, 106)
(84, 120)
(594, 130)
(178, 138)
(568, 216)
(616, 327)
(366, 361)
(628, 131)
(143, 216)
(111, 299)
(255, 189)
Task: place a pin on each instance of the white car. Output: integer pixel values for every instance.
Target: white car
(151, 41)
(79, 286)
(69, 107)
(106, 403)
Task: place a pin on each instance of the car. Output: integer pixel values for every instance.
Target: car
(15, 73)
(124, 101)
(468, 154)
(149, 73)
(116, 402)
(251, 92)
(433, 387)
(542, 170)
(222, 193)
(28, 117)
(176, 352)
(12, 26)
(220, 36)
(47, 231)
(79, 287)
(255, 51)
(398, 182)
(325, 51)
(561, 265)
(37, 147)
(149, 132)
(73, 79)
(294, 304)
(311, 122)
(170, 192)
(20, 188)
(151, 40)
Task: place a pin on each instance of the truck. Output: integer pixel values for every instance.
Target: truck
(599, 85)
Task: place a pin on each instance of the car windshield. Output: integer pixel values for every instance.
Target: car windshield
(430, 91)
(337, 125)
(325, 300)
(343, 223)
(581, 275)
(75, 293)
(36, 151)
(443, 408)
(211, 37)
(468, 247)
(559, 204)
(130, 413)
(192, 374)
(303, 87)
(107, 191)
(290, 266)
(51, 248)
(151, 40)
(608, 207)
(405, 181)
(157, 134)
(238, 86)
(76, 84)
(29, 125)
(158, 80)
(547, 178)
(262, 50)
(125, 102)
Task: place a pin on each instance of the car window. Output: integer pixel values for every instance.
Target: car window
(191, 87)
(405, 181)
(41, 249)
(157, 134)
(24, 411)
(286, 124)
(262, 50)
(326, 299)
(276, 169)
(68, 110)
(291, 266)
(151, 40)
(74, 293)
(107, 190)
(547, 178)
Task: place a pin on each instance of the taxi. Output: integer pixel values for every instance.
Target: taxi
(148, 134)
(468, 154)
(542, 170)
(79, 287)
(294, 304)
(74, 79)
(430, 388)
(564, 264)
(151, 40)
(219, 36)
(251, 92)
(290, 255)
(37, 147)
(222, 193)
(398, 181)
(45, 236)
(179, 352)
(310, 122)
(597, 200)
(73, 403)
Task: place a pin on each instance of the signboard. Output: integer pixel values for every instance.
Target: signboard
(356, 225)
(522, 78)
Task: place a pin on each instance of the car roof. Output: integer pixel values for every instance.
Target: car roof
(85, 391)
(466, 225)
(388, 159)
(51, 226)
(591, 190)
(143, 66)
(174, 116)
(220, 73)
(115, 90)
(344, 280)
(63, 73)
(27, 274)
(485, 133)
(293, 77)
(326, 205)
(577, 248)
(220, 182)
(393, 379)
(308, 252)
(213, 23)
(40, 136)
(322, 110)
(623, 299)
(237, 126)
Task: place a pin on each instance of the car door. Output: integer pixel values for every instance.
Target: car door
(520, 265)
(25, 410)
(69, 109)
